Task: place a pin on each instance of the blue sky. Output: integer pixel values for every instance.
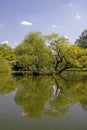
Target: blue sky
(19, 17)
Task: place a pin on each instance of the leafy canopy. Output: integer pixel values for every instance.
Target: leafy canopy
(33, 55)
(82, 40)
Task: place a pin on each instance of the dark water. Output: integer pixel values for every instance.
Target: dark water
(43, 103)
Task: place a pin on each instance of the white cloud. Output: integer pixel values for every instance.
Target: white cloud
(66, 37)
(15, 44)
(26, 23)
(78, 17)
(5, 42)
(70, 4)
(53, 26)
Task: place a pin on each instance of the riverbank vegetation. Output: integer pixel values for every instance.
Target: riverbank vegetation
(44, 54)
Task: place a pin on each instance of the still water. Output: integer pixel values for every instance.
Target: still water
(43, 103)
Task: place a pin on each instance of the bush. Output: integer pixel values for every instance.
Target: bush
(4, 66)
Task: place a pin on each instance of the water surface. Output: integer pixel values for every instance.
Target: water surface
(43, 103)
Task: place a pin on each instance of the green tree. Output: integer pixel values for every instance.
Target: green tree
(66, 55)
(33, 55)
(4, 66)
(83, 58)
(7, 52)
(82, 40)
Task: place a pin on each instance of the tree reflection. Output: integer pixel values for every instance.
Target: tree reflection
(49, 96)
(34, 94)
(46, 96)
(84, 104)
(7, 84)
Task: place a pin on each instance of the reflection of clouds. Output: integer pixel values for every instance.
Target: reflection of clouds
(55, 94)
(23, 114)
(47, 106)
(56, 91)
(5, 94)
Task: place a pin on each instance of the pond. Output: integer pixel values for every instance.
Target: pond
(43, 103)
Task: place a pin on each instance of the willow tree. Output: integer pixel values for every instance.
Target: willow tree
(66, 55)
(33, 55)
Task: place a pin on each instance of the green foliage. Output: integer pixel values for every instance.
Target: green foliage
(66, 55)
(7, 55)
(4, 66)
(48, 54)
(7, 52)
(82, 40)
(33, 55)
(83, 58)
